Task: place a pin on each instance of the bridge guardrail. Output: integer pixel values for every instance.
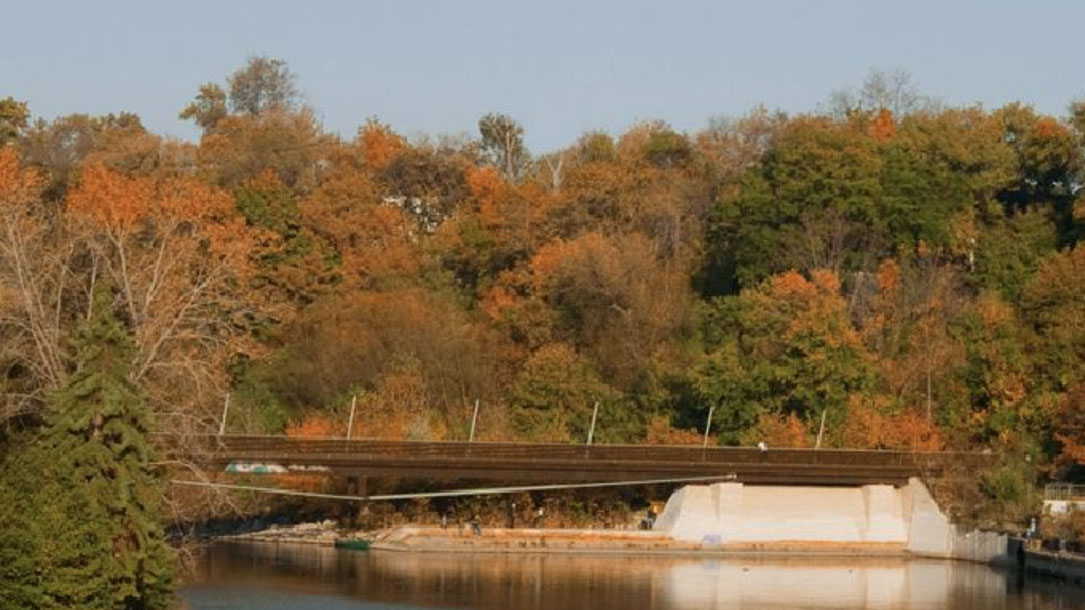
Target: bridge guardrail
(266, 447)
(1064, 492)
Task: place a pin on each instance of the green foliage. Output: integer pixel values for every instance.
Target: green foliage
(667, 148)
(1009, 491)
(784, 348)
(596, 147)
(266, 203)
(1011, 249)
(554, 395)
(82, 526)
(255, 406)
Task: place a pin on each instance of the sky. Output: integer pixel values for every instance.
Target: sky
(559, 67)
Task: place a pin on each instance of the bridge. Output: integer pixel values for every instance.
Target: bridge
(563, 463)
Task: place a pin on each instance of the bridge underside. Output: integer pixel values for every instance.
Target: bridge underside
(548, 463)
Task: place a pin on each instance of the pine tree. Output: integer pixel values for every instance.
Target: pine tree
(83, 498)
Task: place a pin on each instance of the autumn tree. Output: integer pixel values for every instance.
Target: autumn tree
(13, 118)
(786, 347)
(1070, 425)
(175, 250)
(352, 340)
(208, 108)
(259, 126)
(33, 275)
(370, 243)
(907, 327)
(262, 85)
(61, 147)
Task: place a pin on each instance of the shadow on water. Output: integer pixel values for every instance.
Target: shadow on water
(264, 576)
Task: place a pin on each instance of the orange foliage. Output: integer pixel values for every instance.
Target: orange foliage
(380, 145)
(1047, 127)
(111, 200)
(376, 243)
(871, 426)
(774, 431)
(397, 408)
(660, 432)
(883, 126)
(484, 183)
(1071, 425)
(16, 184)
(815, 305)
(313, 425)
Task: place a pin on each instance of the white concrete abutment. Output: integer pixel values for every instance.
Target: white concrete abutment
(879, 519)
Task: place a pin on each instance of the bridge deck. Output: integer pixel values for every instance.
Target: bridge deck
(568, 463)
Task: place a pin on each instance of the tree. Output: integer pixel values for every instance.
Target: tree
(1070, 425)
(120, 142)
(893, 90)
(13, 118)
(503, 143)
(263, 84)
(785, 347)
(554, 393)
(105, 547)
(812, 203)
(208, 109)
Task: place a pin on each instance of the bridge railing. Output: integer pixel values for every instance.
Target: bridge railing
(270, 448)
(1064, 492)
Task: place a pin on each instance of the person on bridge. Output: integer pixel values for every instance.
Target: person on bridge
(476, 526)
(762, 447)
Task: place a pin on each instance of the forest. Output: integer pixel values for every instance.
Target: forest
(904, 271)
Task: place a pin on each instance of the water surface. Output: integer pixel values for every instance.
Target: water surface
(251, 576)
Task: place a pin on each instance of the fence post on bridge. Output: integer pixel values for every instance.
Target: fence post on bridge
(821, 428)
(591, 430)
(708, 425)
(225, 412)
(474, 419)
(350, 422)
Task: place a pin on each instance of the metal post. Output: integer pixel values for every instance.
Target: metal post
(225, 412)
(474, 420)
(350, 422)
(821, 429)
(594, 414)
(708, 424)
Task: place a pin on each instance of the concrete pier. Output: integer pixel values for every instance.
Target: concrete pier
(871, 518)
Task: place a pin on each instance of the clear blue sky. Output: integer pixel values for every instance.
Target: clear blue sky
(559, 67)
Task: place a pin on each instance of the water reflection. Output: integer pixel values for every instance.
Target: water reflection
(265, 576)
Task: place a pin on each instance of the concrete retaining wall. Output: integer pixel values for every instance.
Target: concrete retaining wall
(875, 518)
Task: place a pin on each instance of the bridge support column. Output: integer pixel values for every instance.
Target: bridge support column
(884, 513)
(357, 486)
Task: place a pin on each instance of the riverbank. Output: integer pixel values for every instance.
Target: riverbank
(460, 539)
(319, 533)
(1060, 565)
(415, 538)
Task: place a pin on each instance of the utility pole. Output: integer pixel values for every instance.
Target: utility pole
(594, 414)
(474, 419)
(708, 424)
(350, 422)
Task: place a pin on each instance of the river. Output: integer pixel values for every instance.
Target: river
(262, 576)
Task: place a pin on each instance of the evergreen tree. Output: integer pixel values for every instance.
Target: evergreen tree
(82, 499)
